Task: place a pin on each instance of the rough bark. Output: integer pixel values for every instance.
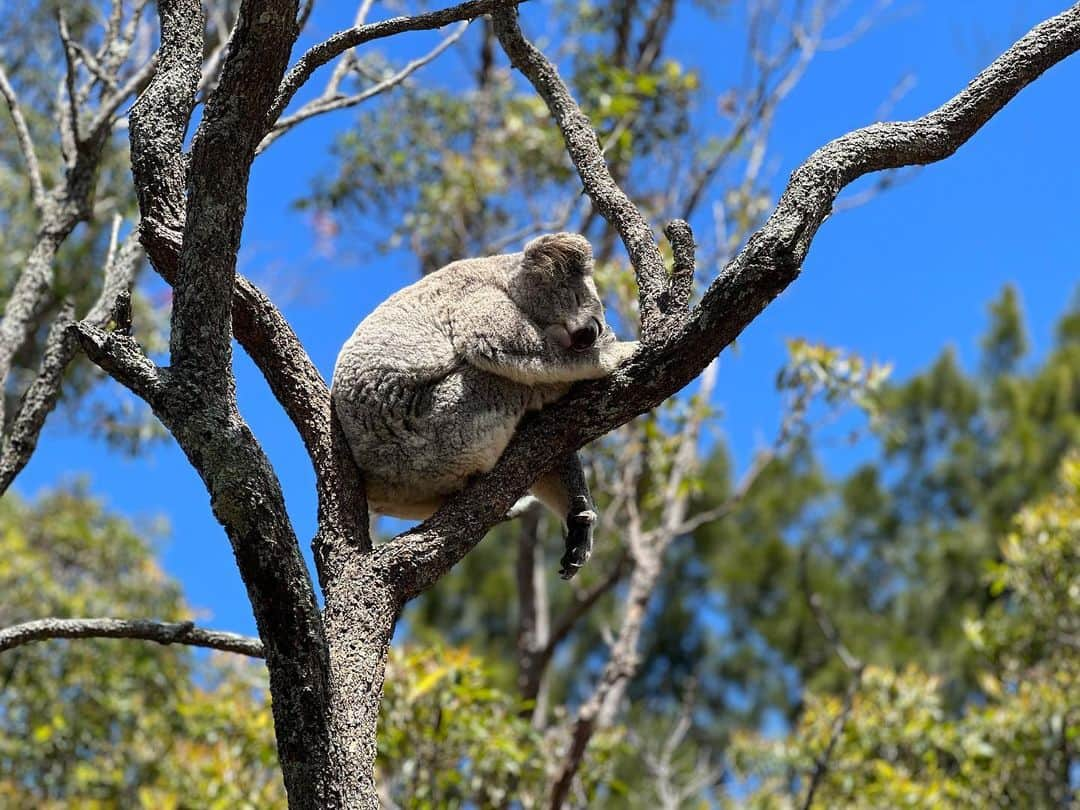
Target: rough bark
(160, 632)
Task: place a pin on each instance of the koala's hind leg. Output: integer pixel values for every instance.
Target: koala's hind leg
(564, 491)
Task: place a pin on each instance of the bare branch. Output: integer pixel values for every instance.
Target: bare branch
(621, 665)
(106, 113)
(200, 340)
(60, 349)
(761, 461)
(681, 286)
(70, 76)
(662, 763)
(583, 146)
(26, 142)
(32, 287)
(821, 764)
(145, 630)
(40, 398)
(584, 601)
(854, 665)
(158, 122)
(319, 55)
(331, 101)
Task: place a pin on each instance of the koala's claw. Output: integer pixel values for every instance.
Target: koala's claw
(579, 541)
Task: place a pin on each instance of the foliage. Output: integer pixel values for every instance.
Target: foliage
(116, 723)
(112, 723)
(1011, 745)
(451, 738)
(473, 166)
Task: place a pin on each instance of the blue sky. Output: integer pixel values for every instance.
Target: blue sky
(895, 279)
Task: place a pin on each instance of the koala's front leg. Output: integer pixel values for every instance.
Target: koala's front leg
(612, 353)
(564, 491)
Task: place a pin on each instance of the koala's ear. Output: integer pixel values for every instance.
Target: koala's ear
(568, 253)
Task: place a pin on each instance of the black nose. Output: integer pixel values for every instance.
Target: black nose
(584, 338)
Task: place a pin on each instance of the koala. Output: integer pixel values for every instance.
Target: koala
(431, 386)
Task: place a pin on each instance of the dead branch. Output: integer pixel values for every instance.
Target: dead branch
(143, 629)
(339, 43)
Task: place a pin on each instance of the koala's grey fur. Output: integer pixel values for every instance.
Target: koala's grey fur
(432, 385)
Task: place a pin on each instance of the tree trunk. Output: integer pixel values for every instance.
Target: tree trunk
(359, 619)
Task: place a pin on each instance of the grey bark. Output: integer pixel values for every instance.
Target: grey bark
(160, 632)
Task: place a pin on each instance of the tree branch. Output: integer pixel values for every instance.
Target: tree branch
(681, 286)
(853, 664)
(142, 629)
(584, 149)
(332, 100)
(158, 122)
(26, 141)
(60, 348)
(318, 55)
(222, 151)
(124, 360)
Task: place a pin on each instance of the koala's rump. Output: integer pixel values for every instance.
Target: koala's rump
(420, 440)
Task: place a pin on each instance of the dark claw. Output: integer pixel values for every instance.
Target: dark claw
(579, 540)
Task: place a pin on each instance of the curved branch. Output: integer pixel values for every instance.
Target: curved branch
(318, 55)
(584, 149)
(769, 263)
(142, 629)
(335, 101)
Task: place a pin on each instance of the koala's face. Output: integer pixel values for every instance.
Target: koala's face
(555, 288)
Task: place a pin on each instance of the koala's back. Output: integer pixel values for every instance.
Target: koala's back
(419, 420)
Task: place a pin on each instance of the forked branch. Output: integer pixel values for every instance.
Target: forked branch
(318, 55)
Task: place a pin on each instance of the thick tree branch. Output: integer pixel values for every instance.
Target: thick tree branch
(158, 123)
(124, 360)
(319, 55)
(767, 265)
(223, 149)
(207, 204)
(584, 149)
(142, 629)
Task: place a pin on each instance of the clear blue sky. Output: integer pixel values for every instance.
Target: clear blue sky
(895, 279)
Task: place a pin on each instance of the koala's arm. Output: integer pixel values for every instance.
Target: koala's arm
(496, 336)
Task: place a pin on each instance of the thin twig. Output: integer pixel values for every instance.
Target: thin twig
(319, 55)
(25, 140)
(70, 76)
(852, 663)
(325, 104)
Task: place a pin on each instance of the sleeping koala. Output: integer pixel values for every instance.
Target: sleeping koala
(432, 385)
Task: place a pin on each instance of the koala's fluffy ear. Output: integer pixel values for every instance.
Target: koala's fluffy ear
(568, 253)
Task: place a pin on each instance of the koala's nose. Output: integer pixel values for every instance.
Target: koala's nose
(584, 338)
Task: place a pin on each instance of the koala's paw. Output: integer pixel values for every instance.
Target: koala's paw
(614, 354)
(579, 540)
